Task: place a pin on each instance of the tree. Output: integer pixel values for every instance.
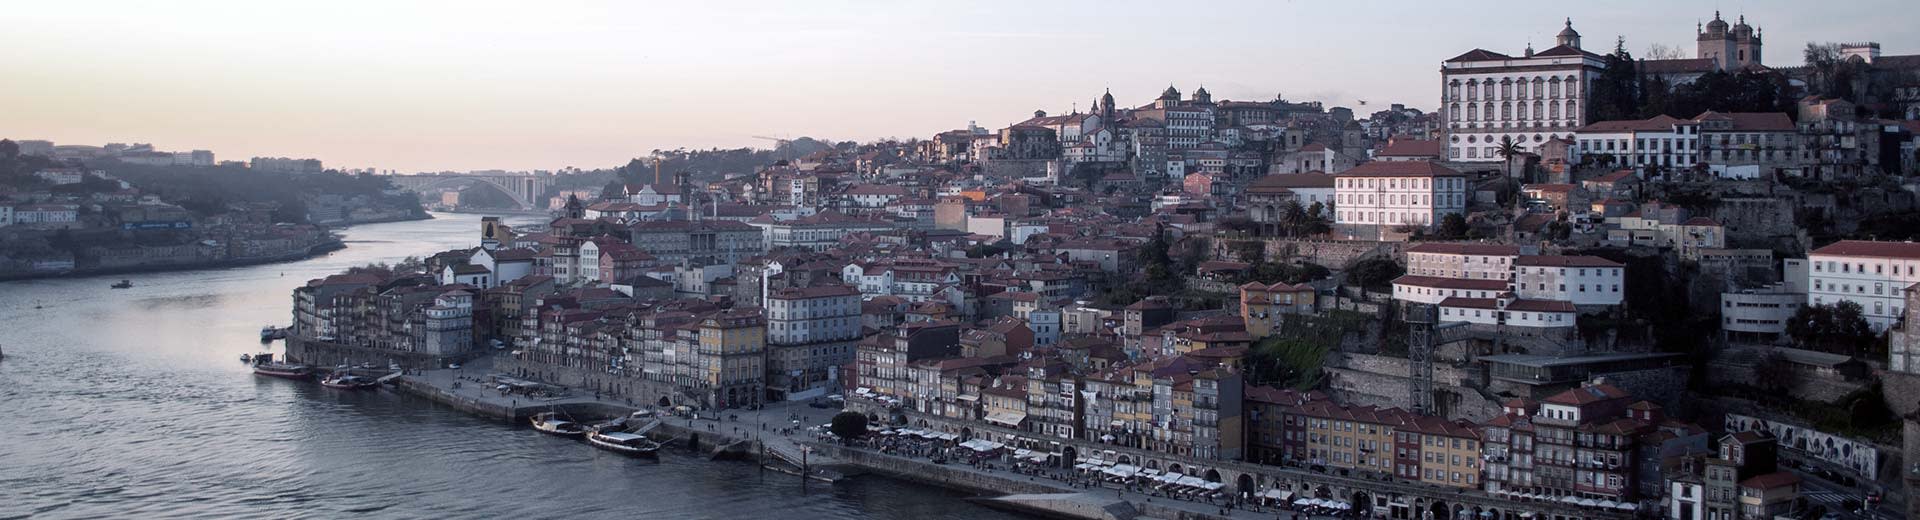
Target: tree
(1508, 149)
(1661, 51)
(1453, 226)
(1840, 328)
(1286, 362)
(848, 425)
(9, 149)
(1615, 93)
(1374, 272)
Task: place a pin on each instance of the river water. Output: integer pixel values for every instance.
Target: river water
(133, 403)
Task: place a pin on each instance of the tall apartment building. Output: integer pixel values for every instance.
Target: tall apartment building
(811, 333)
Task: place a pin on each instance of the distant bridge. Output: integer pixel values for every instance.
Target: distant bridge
(525, 190)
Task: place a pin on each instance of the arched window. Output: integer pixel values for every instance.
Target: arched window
(1473, 90)
(1538, 113)
(1488, 86)
(1506, 111)
(1455, 112)
(1572, 111)
(1556, 110)
(1522, 109)
(1539, 88)
(1554, 87)
(1573, 87)
(1489, 112)
(1473, 111)
(1506, 88)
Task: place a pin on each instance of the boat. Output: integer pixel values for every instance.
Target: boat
(123, 284)
(348, 382)
(624, 443)
(245, 358)
(270, 333)
(286, 370)
(549, 423)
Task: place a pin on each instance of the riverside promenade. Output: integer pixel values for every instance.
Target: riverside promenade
(781, 435)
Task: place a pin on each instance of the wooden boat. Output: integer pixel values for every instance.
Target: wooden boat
(283, 370)
(624, 443)
(346, 382)
(123, 284)
(550, 424)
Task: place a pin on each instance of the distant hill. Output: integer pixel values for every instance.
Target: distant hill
(716, 163)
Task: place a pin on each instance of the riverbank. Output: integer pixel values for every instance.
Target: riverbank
(777, 437)
(319, 249)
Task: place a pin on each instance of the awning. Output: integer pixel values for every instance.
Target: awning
(1107, 438)
(1007, 419)
(1277, 494)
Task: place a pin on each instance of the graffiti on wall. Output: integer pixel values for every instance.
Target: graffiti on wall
(1861, 457)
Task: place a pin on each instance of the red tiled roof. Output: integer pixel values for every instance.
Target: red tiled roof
(1565, 261)
(1451, 283)
(1908, 250)
(1777, 479)
(1587, 395)
(1480, 55)
(1288, 182)
(1400, 169)
(1751, 121)
(1659, 123)
(1540, 306)
(1414, 148)
(1456, 248)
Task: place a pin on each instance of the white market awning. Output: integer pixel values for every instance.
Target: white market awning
(1007, 419)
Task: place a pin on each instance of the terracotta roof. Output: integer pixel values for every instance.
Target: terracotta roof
(1868, 248)
(1588, 395)
(1451, 283)
(1400, 169)
(1751, 121)
(1480, 55)
(1540, 306)
(1565, 261)
(1414, 148)
(1659, 123)
(1287, 182)
(1777, 479)
(1677, 66)
(1456, 248)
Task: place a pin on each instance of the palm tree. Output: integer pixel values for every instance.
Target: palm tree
(1508, 149)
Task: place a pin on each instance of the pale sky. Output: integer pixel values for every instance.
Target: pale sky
(543, 85)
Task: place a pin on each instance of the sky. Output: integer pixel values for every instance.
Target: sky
(463, 85)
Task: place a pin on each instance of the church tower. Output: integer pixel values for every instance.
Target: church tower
(1202, 97)
(1716, 43)
(1106, 105)
(1746, 45)
(1568, 37)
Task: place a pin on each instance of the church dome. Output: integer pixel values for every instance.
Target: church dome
(1568, 32)
(1717, 25)
(1171, 92)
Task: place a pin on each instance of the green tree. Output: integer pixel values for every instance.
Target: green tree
(1615, 93)
(9, 149)
(1840, 328)
(1453, 226)
(848, 425)
(1287, 362)
(1376, 272)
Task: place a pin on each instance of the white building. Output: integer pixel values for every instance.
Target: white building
(1508, 310)
(449, 324)
(6, 215)
(1872, 274)
(1391, 194)
(1580, 280)
(1487, 97)
(1462, 260)
(798, 316)
(1433, 290)
(1660, 141)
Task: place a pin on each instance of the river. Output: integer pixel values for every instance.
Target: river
(133, 403)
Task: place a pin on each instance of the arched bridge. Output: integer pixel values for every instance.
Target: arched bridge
(524, 189)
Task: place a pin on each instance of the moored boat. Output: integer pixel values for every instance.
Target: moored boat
(348, 382)
(270, 333)
(285, 370)
(623, 442)
(123, 284)
(549, 423)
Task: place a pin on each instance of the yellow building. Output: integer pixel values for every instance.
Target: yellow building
(731, 360)
(1448, 453)
(1261, 305)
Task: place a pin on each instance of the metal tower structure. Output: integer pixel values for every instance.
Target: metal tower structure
(1420, 320)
